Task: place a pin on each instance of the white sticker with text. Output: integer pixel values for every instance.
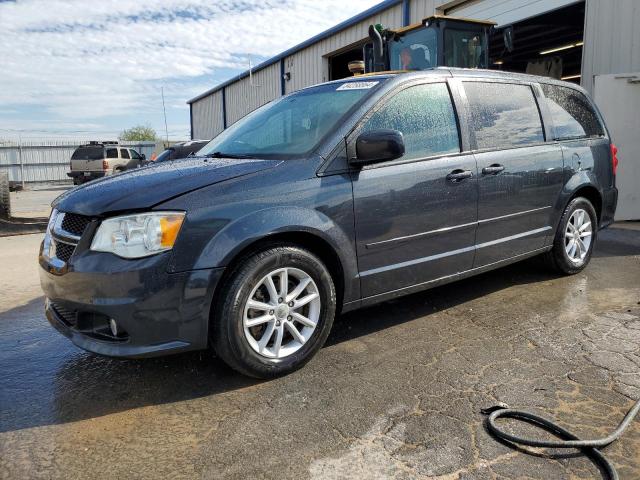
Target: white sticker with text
(357, 86)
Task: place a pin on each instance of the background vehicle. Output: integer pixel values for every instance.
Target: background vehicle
(437, 41)
(332, 198)
(181, 150)
(97, 159)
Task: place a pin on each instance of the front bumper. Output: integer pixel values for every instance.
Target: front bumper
(156, 312)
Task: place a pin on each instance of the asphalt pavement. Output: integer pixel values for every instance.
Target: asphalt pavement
(396, 392)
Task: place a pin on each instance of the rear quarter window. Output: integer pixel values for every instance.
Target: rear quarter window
(571, 112)
(88, 153)
(112, 153)
(503, 115)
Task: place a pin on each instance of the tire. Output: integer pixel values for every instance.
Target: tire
(238, 342)
(559, 258)
(5, 198)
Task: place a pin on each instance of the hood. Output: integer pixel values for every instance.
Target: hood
(153, 184)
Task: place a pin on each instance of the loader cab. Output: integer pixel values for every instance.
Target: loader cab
(435, 42)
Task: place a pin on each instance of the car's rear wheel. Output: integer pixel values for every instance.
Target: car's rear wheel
(575, 237)
(274, 312)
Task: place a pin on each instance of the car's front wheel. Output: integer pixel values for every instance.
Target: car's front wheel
(575, 237)
(274, 312)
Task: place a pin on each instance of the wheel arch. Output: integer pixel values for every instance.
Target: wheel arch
(581, 184)
(302, 239)
(592, 194)
(306, 228)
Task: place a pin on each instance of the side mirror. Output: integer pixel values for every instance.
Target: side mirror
(143, 156)
(378, 146)
(507, 36)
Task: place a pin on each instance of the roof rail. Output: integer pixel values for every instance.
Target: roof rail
(96, 143)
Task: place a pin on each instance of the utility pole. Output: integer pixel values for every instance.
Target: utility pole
(164, 110)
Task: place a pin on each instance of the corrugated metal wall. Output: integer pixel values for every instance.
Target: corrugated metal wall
(612, 45)
(310, 66)
(506, 12)
(419, 9)
(243, 97)
(611, 39)
(207, 116)
(45, 161)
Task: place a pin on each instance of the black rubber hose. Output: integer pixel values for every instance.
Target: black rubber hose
(569, 440)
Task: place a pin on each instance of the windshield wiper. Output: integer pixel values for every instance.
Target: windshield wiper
(227, 155)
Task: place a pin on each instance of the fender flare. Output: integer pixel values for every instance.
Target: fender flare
(579, 180)
(239, 234)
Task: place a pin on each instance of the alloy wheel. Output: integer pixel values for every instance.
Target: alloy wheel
(577, 236)
(282, 313)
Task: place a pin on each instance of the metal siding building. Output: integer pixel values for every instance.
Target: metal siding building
(607, 32)
(208, 115)
(611, 45)
(503, 13)
(306, 64)
(611, 39)
(310, 65)
(249, 93)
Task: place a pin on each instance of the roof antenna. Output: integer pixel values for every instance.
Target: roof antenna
(251, 73)
(164, 110)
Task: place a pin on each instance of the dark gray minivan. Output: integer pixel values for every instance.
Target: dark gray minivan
(335, 197)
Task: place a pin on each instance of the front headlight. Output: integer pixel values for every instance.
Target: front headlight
(140, 235)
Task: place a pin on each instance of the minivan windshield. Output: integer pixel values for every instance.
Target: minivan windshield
(291, 126)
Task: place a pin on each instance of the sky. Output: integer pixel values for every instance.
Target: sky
(89, 69)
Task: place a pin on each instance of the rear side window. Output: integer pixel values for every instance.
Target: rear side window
(112, 153)
(572, 114)
(124, 153)
(425, 116)
(88, 153)
(503, 115)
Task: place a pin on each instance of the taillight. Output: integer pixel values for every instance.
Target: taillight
(614, 158)
(105, 165)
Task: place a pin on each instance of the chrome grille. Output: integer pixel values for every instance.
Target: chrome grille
(63, 235)
(64, 251)
(75, 224)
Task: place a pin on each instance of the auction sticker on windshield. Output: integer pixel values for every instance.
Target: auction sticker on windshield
(357, 86)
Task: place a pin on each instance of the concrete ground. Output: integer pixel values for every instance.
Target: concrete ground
(396, 393)
(35, 200)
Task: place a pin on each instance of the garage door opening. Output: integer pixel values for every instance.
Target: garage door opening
(548, 44)
(338, 63)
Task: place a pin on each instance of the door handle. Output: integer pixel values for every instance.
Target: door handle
(459, 175)
(492, 169)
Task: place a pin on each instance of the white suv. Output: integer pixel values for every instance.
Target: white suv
(95, 160)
